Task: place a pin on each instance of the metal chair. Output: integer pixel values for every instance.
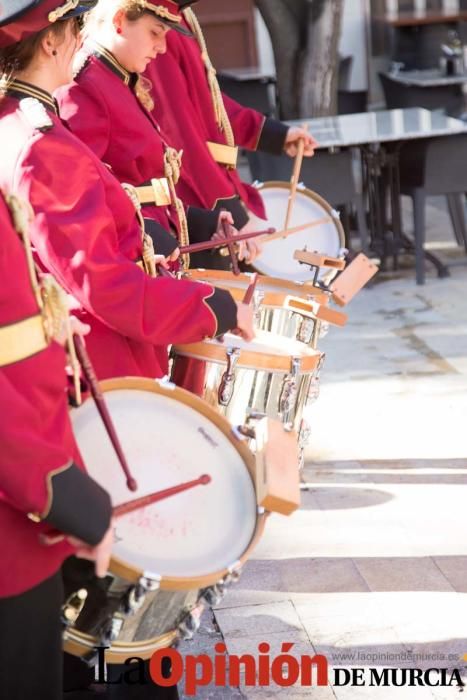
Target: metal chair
(430, 168)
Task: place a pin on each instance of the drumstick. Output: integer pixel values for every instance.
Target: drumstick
(231, 249)
(157, 496)
(295, 178)
(248, 298)
(265, 236)
(296, 229)
(88, 371)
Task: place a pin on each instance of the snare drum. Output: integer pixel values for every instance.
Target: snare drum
(270, 302)
(172, 557)
(272, 375)
(276, 260)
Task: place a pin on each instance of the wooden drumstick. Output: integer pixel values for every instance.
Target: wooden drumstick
(295, 178)
(157, 496)
(88, 371)
(248, 298)
(231, 248)
(264, 236)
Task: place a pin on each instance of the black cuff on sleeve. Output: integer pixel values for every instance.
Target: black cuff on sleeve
(224, 307)
(273, 135)
(164, 242)
(80, 507)
(235, 207)
(202, 224)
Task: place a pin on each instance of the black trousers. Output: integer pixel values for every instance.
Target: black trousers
(31, 643)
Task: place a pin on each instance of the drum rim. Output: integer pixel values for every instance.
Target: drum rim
(216, 352)
(269, 184)
(131, 573)
(271, 298)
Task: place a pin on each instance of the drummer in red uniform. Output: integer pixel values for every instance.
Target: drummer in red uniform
(213, 125)
(85, 230)
(109, 107)
(42, 482)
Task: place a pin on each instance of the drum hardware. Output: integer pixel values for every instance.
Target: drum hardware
(288, 397)
(136, 594)
(191, 622)
(314, 388)
(304, 437)
(352, 279)
(306, 330)
(166, 383)
(227, 385)
(258, 299)
(73, 607)
(315, 262)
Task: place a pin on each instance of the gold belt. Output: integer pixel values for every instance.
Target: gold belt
(226, 155)
(21, 340)
(157, 193)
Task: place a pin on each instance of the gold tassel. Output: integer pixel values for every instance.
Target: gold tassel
(222, 118)
(172, 170)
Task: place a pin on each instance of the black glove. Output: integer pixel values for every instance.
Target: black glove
(164, 242)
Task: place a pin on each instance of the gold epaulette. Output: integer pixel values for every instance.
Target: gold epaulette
(36, 114)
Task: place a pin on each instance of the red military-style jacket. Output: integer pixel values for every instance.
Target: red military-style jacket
(184, 108)
(37, 448)
(100, 106)
(85, 233)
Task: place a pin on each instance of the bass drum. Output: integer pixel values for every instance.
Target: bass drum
(277, 260)
(172, 557)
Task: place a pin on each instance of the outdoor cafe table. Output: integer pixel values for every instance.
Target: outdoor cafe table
(379, 137)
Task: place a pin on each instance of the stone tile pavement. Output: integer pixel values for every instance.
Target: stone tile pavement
(372, 570)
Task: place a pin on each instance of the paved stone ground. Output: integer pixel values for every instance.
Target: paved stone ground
(375, 561)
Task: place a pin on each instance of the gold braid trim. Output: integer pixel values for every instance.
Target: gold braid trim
(149, 255)
(50, 297)
(172, 170)
(222, 118)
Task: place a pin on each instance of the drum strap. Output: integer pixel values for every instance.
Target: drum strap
(225, 155)
(22, 339)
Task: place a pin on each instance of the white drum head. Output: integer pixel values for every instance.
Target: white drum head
(166, 442)
(276, 260)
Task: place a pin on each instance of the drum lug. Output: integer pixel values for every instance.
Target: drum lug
(258, 299)
(165, 383)
(314, 388)
(150, 582)
(227, 385)
(306, 330)
(337, 215)
(191, 622)
(288, 395)
(213, 595)
(235, 571)
(72, 608)
(112, 628)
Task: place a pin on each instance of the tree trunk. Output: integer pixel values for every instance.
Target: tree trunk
(305, 37)
(319, 74)
(284, 29)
